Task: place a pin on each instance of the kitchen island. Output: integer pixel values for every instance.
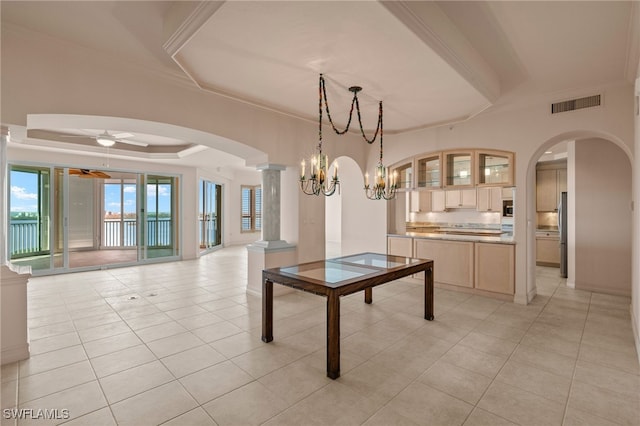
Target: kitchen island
(474, 260)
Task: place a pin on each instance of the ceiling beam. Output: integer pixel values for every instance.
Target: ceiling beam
(431, 25)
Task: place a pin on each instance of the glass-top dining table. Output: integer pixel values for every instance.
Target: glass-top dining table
(340, 277)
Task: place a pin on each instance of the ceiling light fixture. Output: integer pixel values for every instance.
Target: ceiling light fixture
(105, 139)
(318, 181)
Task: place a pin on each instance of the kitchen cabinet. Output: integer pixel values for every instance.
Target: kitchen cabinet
(489, 199)
(548, 249)
(427, 201)
(460, 199)
(419, 201)
(453, 260)
(404, 172)
(429, 170)
(458, 168)
(495, 267)
(438, 201)
(400, 246)
(494, 168)
(550, 183)
(507, 193)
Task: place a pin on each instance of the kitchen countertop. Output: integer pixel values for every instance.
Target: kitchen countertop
(459, 235)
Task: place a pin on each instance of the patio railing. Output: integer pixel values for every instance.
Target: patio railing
(25, 234)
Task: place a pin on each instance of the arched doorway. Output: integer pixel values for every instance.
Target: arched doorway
(353, 224)
(599, 213)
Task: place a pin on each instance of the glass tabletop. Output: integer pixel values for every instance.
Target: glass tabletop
(329, 272)
(377, 260)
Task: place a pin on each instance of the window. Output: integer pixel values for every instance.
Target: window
(251, 210)
(210, 216)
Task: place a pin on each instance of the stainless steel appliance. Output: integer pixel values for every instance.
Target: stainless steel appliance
(507, 208)
(562, 228)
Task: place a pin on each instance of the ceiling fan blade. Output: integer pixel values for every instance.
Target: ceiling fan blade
(122, 135)
(136, 143)
(99, 174)
(75, 172)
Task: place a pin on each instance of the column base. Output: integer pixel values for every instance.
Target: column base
(265, 255)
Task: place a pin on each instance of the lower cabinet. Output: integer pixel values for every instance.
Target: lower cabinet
(400, 246)
(495, 267)
(548, 251)
(482, 266)
(452, 260)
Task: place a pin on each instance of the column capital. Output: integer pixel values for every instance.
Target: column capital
(271, 166)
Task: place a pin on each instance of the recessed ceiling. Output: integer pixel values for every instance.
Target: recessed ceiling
(271, 53)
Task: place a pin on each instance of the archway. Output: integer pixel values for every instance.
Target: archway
(353, 223)
(596, 163)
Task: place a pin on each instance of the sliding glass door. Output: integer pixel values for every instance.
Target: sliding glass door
(30, 216)
(161, 214)
(73, 219)
(210, 215)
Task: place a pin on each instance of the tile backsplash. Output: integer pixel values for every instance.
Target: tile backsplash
(547, 220)
(458, 217)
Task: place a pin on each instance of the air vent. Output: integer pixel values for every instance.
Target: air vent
(573, 104)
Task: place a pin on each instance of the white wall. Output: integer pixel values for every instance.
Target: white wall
(603, 217)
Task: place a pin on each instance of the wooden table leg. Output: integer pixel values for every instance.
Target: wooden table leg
(333, 335)
(368, 295)
(267, 310)
(428, 294)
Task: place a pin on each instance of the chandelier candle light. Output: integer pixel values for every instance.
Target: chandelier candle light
(318, 183)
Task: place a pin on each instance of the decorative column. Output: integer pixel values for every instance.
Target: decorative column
(270, 251)
(13, 280)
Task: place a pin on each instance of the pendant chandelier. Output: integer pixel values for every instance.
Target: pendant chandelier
(318, 181)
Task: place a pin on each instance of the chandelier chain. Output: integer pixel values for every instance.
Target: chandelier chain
(354, 102)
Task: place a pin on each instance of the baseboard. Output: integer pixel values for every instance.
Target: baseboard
(17, 353)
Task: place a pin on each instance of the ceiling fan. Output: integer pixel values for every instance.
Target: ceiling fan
(86, 173)
(107, 139)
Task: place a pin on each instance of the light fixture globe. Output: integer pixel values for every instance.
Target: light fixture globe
(105, 139)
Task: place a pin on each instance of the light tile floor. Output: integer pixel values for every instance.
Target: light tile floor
(179, 344)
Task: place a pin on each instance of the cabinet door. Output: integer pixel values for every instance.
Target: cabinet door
(546, 191)
(420, 201)
(453, 199)
(438, 201)
(468, 198)
(458, 168)
(460, 199)
(547, 251)
(453, 260)
(495, 168)
(489, 199)
(561, 177)
(429, 171)
(399, 246)
(495, 267)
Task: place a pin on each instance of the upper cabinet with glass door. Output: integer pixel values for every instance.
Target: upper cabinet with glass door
(495, 168)
(404, 172)
(429, 171)
(458, 168)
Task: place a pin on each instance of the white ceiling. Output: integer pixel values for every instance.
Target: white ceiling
(429, 62)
